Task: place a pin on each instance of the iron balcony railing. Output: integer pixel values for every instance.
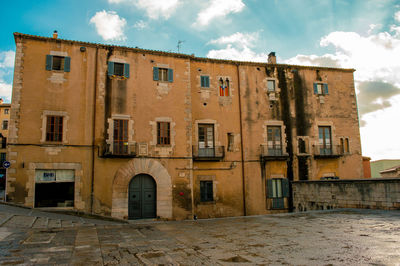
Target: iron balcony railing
(271, 152)
(120, 150)
(327, 150)
(208, 154)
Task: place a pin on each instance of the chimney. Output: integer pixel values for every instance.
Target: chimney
(271, 58)
(55, 34)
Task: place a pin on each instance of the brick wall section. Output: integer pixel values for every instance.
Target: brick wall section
(330, 194)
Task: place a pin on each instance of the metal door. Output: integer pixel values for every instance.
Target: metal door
(142, 197)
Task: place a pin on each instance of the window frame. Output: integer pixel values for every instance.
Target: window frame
(55, 135)
(167, 74)
(205, 81)
(206, 191)
(271, 137)
(120, 139)
(273, 82)
(122, 66)
(224, 87)
(4, 125)
(163, 133)
(65, 63)
(324, 147)
(6, 111)
(321, 88)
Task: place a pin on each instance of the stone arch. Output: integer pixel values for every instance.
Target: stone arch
(124, 175)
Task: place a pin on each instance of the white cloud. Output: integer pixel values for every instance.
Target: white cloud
(5, 91)
(7, 59)
(238, 47)
(397, 16)
(154, 8)
(140, 25)
(218, 8)
(379, 137)
(109, 25)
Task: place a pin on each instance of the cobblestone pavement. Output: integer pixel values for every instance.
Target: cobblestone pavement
(339, 237)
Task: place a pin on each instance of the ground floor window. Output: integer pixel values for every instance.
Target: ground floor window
(278, 189)
(54, 188)
(206, 191)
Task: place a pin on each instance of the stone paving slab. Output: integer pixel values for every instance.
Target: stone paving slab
(342, 237)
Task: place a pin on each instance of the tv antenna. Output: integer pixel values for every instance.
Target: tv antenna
(179, 45)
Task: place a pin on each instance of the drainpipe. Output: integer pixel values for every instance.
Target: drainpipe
(241, 144)
(93, 129)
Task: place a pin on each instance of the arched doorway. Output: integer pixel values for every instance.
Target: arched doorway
(142, 197)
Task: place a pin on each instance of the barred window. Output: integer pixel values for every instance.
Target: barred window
(54, 128)
(163, 133)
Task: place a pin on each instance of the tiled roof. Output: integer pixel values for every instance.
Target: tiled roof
(178, 55)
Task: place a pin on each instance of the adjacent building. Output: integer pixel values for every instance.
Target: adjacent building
(4, 120)
(134, 133)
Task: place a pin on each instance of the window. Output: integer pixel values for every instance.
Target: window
(344, 145)
(118, 69)
(163, 74)
(324, 140)
(61, 63)
(274, 140)
(278, 188)
(271, 85)
(206, 191)
(223, 87)
(5, 124)
(4, 143)
(231, 140)
(2, 158)
(54, 128)
(6, 111)
(205, 81)
(163, 133)
(320, 88)
(206, 140)
(120, 142)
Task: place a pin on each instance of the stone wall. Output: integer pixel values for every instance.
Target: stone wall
(330, 194)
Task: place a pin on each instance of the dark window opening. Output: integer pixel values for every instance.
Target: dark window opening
(163, 133)
(231, 139)
(4, 143)
(58, 63)
(54, 194)
(206, 191)
(302, 146)
(5, 124)
(118, 69)
(54, 128)
(6, 111)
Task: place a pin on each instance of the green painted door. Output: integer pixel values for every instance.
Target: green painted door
(142, 197)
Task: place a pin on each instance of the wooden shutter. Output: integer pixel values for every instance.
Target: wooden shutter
(269, 188)
(315, 88)
(202, 81)
(207, 81)
(126, 70)
(49, 62)
(326, 88)
(67, 63)
(155, 73)
(110, 68)
(170, 75)
(285, 187)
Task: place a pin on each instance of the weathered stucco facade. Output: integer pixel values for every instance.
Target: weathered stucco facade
(190, 136)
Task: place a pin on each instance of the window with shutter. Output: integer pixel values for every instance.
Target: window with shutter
(206, 191)
(60, 63)
(320, 88)
(163, 133)
(118, 69)
(205, 81)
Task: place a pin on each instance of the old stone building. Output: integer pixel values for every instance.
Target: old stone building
(135, 133)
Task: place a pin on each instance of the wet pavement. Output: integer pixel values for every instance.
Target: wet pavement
(336, 237)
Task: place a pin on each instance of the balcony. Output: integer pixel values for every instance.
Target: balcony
(269, 153)
(119, 150)
(326, 151)
(208, 154)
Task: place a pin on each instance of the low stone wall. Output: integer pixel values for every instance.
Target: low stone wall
(377, 193)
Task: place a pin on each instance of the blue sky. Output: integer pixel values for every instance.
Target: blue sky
(360, 34)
